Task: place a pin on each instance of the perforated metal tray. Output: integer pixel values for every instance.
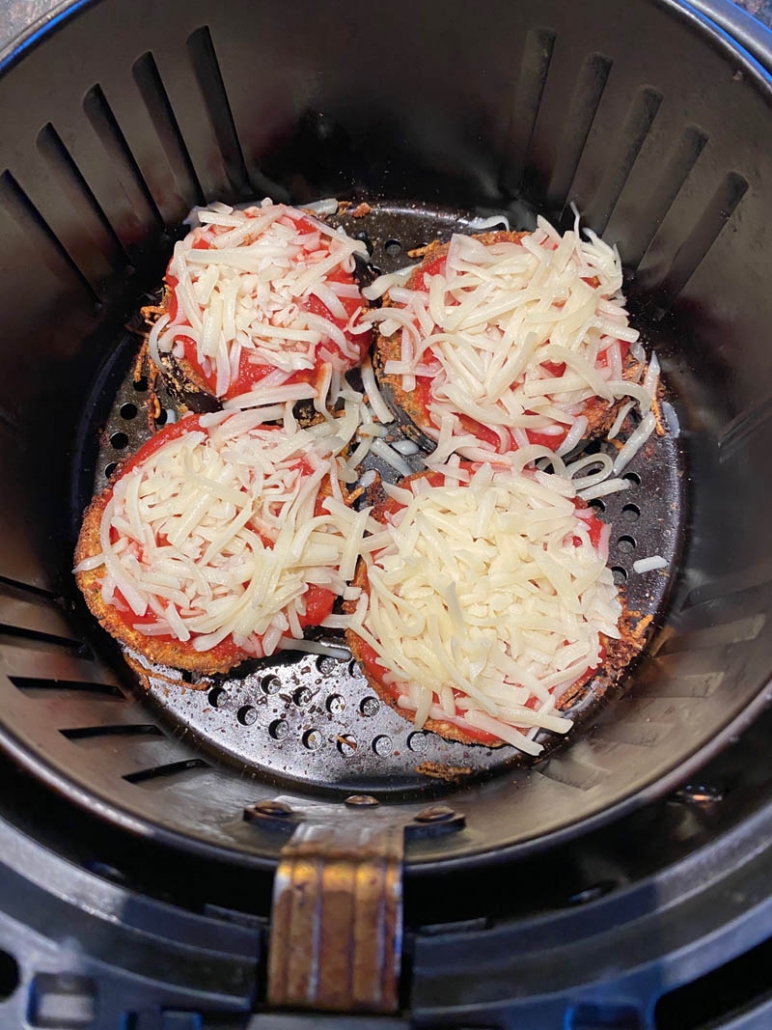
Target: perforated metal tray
(313, 719)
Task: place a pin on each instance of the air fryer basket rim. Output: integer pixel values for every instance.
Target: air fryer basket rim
(144, 826)
(681, 773)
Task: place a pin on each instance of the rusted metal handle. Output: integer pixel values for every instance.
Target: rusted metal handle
(337, 918)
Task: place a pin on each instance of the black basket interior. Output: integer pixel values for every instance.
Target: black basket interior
(128, 113)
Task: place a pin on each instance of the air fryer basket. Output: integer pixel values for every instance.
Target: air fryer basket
(132, 112)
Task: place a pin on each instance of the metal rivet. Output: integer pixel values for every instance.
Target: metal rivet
(278, 808)
(699, 794)
(362, 801)
(435, 814)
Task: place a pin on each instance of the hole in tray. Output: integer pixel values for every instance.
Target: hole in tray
(278, 729)
(383, 746)
(626, 544)
(369, 706)
(362, 235)
(119, 441)
(597, 505)
(140, 385)
(109, 469)
(247, 715)
(392, 247)
(9, 975)
(631, 513)
(417, 742)
(302, 697)
(335, 704)
(326, 665)
(312, 739)
(129, 411)
(632, 478)
(270, 684)
(161, 417)
(347, 744)
(619, 575)
(218, 697)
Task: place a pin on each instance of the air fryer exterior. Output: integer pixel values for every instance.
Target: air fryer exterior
(658, 131)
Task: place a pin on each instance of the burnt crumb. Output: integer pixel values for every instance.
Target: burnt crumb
(448, 773)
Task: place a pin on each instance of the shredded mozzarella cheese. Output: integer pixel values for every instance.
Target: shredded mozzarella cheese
(221, 530)
(486, 601)
(243, 281)
(516, 336)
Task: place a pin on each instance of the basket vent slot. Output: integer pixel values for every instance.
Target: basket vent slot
(114, 730)
(70, 179)
(537, 54)
(722, 635)
(210, 80)
(32, 224)
(632, 135)
(678, 166)
(743, 428)
(40, 637)
(34, 685)
(151, 87)
(27, 588)
(702, 237)
(586, 98)
(158, 772)
(104, 124)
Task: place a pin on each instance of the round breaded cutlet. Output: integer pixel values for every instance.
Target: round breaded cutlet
(121, 625)
(618, 652)
(175, 654)
(600, 414)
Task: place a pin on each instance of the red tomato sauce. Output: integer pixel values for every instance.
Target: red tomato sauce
(319, 600)
(423, 390)
(376, 671)
(249, 372)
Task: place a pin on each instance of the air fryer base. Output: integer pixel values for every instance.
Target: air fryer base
(603, 935)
